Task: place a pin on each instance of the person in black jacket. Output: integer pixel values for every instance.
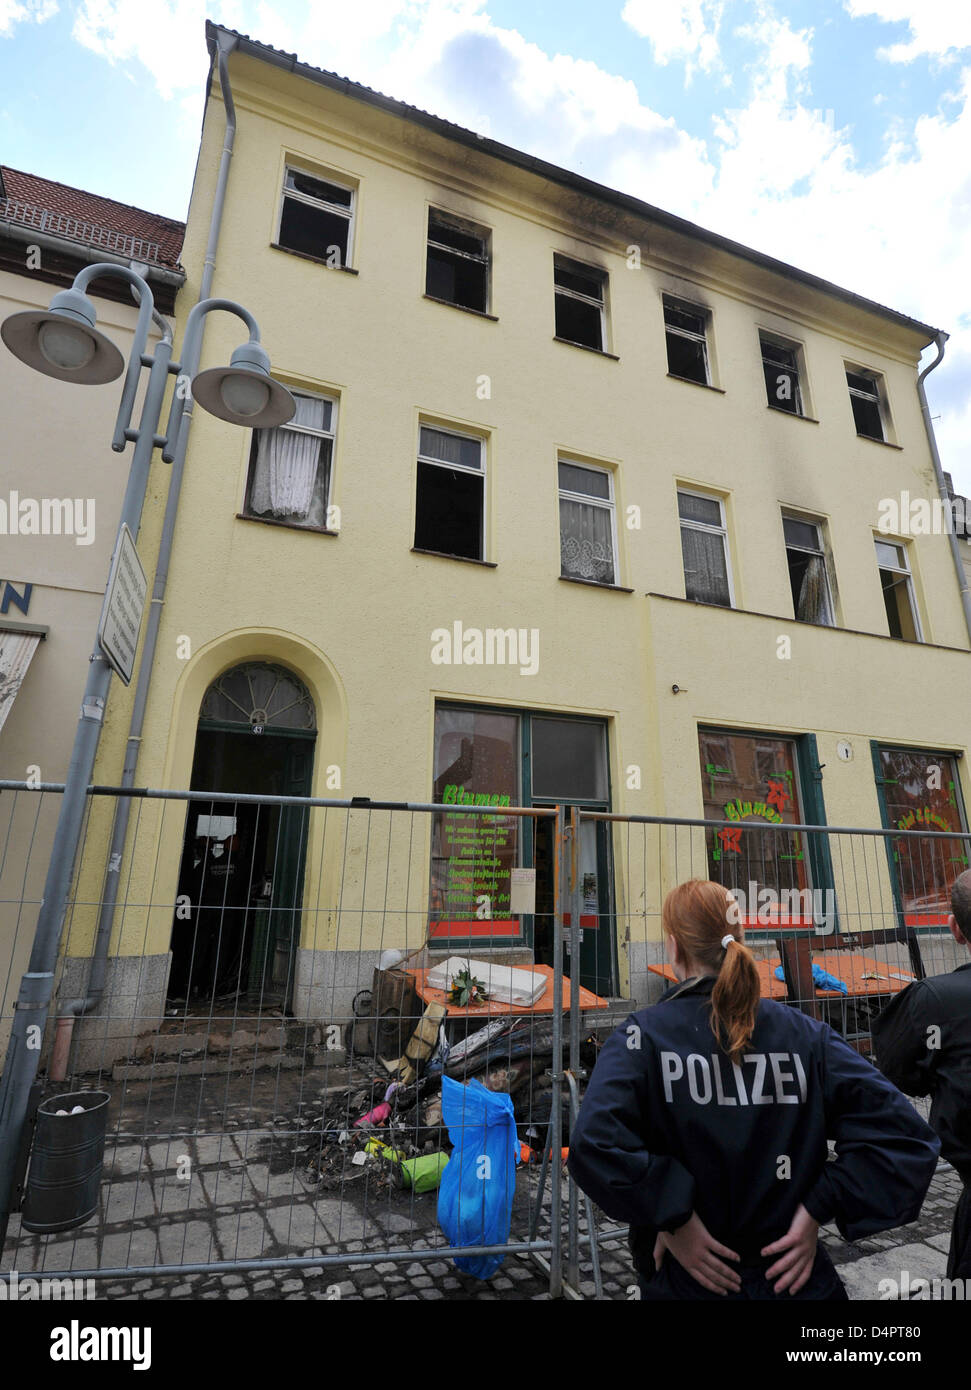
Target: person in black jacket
(705, 1122)
(923, 1044)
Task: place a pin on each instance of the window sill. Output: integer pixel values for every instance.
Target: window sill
(872, 439)
(793, 414)
(585, 347)
(463, 559)
(594, 584)
(287, 525)
(316, 260)
(463, 308)
(691, 382)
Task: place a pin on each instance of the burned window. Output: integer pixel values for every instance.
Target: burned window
(579, 294)
(865, 400)
(780, 365)
(449, 515)
(290, 466)
(704, 549)
(457, 269)
(898, 591)
(808, 579)
(316, 218)
(685, 328)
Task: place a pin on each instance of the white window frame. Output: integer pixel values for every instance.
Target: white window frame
(459, 468)
(789, 515)
(605, 503)
(350, 213)
(686, 307)
(908, 575)
(876, 396)
(787, 345)
(595, 272)
(330, 434)
(470, 228)
(720, 530)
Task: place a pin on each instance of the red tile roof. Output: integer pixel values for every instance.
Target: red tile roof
(90, 219)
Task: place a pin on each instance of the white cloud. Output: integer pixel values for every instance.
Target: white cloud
(13, 12)
(941, 28)
(678, 30)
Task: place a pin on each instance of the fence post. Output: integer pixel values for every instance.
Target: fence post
(556, 1113)
(576, 902)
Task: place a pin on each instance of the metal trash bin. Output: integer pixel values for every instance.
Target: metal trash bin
(66, 1160)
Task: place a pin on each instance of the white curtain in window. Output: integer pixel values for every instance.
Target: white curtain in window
(705, 571)
(286, 464)
(586, 542)
(813, 596)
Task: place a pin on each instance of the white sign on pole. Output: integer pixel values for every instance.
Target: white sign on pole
(121, 614)
(522, 891)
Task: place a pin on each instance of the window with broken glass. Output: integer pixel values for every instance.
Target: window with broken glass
(780, 365)
(290, 466)
(587, 523)
(316, 218)
(685, 328)
(450, 507)
(808, 577)
(579, 293)
(457, 268)
(898, 591)
(865, 400)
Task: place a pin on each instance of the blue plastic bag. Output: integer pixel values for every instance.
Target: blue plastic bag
(477, 1187)
(821, 979)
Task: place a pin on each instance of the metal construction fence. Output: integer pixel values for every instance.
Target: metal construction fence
(288, 1087)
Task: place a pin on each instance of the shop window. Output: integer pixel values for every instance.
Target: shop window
(457, 268)
(568, 759)
(580, 303)
(808, 577)
(685, 328)
(704, 548)
(450, 510)
(898, 591)
(781, 368)
(921, 791)
(753, 781)
(587, 523)
(866, 393)
(317, 218)
(290, 466)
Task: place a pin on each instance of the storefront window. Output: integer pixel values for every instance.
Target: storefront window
(753, 781)
(921, 793)
(476, 764)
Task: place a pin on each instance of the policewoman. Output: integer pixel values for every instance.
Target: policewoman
(706, 1120)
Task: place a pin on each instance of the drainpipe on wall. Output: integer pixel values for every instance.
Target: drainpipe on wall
(959, 569)
(75, 1008)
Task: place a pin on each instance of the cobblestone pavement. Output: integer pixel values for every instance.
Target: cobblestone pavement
(185, 1200)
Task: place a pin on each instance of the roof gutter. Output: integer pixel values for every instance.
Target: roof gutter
(945, 496)
(74, 1008)
(93, 255)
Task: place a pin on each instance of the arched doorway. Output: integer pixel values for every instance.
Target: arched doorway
(236, 926)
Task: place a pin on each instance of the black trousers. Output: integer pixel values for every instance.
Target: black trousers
(959, 1255)
(673, 1282)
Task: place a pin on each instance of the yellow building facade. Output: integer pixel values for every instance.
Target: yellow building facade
(578, 464)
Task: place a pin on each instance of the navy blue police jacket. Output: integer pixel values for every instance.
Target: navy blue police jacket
(669, 1125)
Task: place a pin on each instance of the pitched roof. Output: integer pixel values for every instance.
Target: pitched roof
(89, 219)
(553, 172)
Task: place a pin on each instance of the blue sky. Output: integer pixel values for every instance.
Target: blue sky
(834, 134)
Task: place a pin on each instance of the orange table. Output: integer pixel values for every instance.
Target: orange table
(493, 1009)
(848, 966)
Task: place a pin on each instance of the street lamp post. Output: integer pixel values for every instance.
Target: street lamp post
(63, 342)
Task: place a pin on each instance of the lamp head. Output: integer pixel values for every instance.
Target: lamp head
(63, 342)
(244, 393)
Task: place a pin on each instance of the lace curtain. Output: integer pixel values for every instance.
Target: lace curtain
(586, 542)
(705, 572)
(287, 462)
(813, 604)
